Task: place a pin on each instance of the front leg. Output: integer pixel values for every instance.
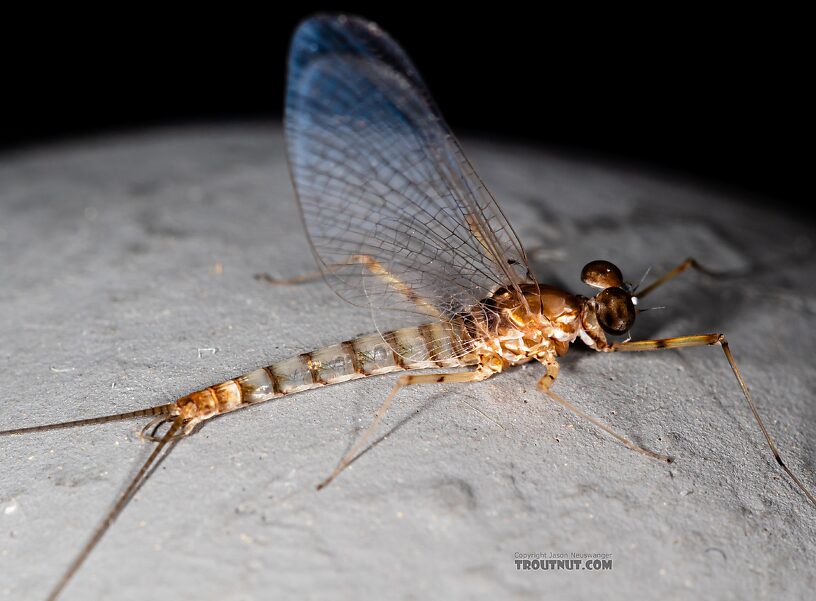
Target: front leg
(710, 340)
(688, 263)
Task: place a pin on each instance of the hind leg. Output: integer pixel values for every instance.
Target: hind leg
(370, 263)
(403, 381)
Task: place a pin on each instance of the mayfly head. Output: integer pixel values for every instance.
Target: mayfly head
(614, 304)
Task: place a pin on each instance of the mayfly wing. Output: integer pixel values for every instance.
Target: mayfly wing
(396, 215)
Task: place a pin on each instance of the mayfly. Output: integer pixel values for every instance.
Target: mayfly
(400, 222)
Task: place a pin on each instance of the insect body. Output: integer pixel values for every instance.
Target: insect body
(500, 334)
(400, 222)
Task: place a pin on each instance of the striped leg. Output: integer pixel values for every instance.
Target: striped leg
(715, 339)
(544, 385)
(690, 262)
(548, 379)
(370, 263)
(403, 381)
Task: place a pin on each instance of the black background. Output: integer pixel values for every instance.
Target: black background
(719, 97)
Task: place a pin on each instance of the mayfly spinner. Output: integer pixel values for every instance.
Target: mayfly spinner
(399, 221)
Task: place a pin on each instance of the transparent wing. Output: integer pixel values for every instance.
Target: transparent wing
(395, 213)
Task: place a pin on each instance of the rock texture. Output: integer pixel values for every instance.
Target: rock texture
(126, 280)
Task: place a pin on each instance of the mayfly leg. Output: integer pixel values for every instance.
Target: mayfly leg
(547, 381)
(707, 340)
(121, 503)
(599, 424)
(304, 278)
(312, 276)
(370, 263)
(475, 375)
(689, 263)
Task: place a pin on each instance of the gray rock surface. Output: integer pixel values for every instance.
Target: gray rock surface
(126, 280)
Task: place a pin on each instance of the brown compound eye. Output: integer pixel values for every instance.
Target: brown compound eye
(615, 310)
(601, 274)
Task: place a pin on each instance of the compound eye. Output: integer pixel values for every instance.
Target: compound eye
(616, 311)
(601, 274)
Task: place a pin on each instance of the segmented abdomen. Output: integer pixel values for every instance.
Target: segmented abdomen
(433, 345)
